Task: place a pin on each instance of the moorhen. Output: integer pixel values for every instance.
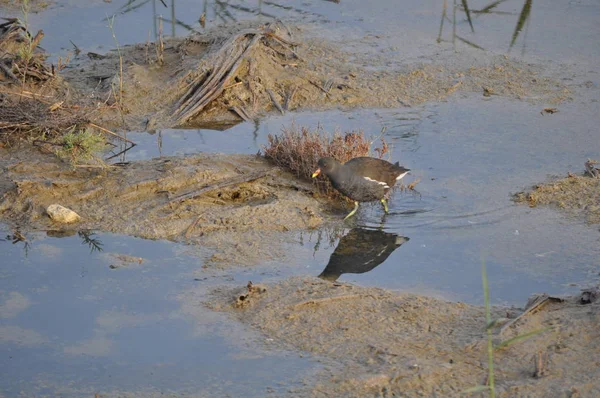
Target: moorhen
(362, 179)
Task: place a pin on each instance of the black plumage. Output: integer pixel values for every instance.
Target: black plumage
(362, 179)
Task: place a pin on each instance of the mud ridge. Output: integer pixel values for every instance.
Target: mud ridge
(234, 206)
(399, 344)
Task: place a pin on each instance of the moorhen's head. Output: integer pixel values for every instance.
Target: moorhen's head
(326, 166)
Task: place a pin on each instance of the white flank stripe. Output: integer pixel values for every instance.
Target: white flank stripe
(378, 182)
(401, 175)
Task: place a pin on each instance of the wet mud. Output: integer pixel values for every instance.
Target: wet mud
(280, 69)
(236, 205)
(33, 5)
(577, 195)
(385, 343)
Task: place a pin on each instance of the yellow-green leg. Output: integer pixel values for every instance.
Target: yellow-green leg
(353, 211)
(385, 206)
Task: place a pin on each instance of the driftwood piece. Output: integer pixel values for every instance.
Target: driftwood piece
(192, 226)
(274, 100)
(220, 69)
(540, 362)
(212, 80)
(534, 305)
(590, 168)
(8, 72)
(289, 97)
(212, 83)
(317, 85)
(222, 184)
(241, 112)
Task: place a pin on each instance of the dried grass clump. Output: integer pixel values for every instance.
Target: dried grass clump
(578, 194)
(27, 118)
(298, 149)
(22, 59)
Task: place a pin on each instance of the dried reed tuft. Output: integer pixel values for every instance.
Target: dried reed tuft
(298, 149)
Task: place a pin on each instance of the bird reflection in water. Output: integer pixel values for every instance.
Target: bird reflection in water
(359, 251)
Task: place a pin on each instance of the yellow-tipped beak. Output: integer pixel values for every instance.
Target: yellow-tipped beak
(316, 173)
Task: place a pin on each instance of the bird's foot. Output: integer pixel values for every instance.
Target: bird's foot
(385, 206)
(352, 212)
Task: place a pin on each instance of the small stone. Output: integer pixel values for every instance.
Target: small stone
(61, 214)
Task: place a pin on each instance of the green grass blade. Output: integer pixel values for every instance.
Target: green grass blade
(476, 389)
(520, 337)
(488, 321)
(522, 19)
(490, 7)
(486, 294)
(466, 7)
(492, 324)
(470, 43)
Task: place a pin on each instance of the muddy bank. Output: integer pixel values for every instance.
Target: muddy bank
(233, 206)
(32, 5)
(231, 74)
(577, 195)
(384, 343)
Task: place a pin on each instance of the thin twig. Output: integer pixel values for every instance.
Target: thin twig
(111, 133)
(540, 360)
(241, 112)
(591, 169)
(119, 153)
(318, 86)
(8, 72)
(192, 226)
(232, 85)
(26, 93)
(275, 102)
(412, 185)
(289, 97)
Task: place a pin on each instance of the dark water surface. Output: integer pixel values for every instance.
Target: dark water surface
(72, 326)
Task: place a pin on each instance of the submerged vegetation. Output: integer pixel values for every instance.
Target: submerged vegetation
(491, 8)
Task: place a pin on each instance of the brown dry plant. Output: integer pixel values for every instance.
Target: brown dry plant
(298, 149)
(24, 117)
(22, 59)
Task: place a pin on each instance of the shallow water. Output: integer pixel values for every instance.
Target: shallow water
(71, 325)
(560, 30)
(470, 156)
